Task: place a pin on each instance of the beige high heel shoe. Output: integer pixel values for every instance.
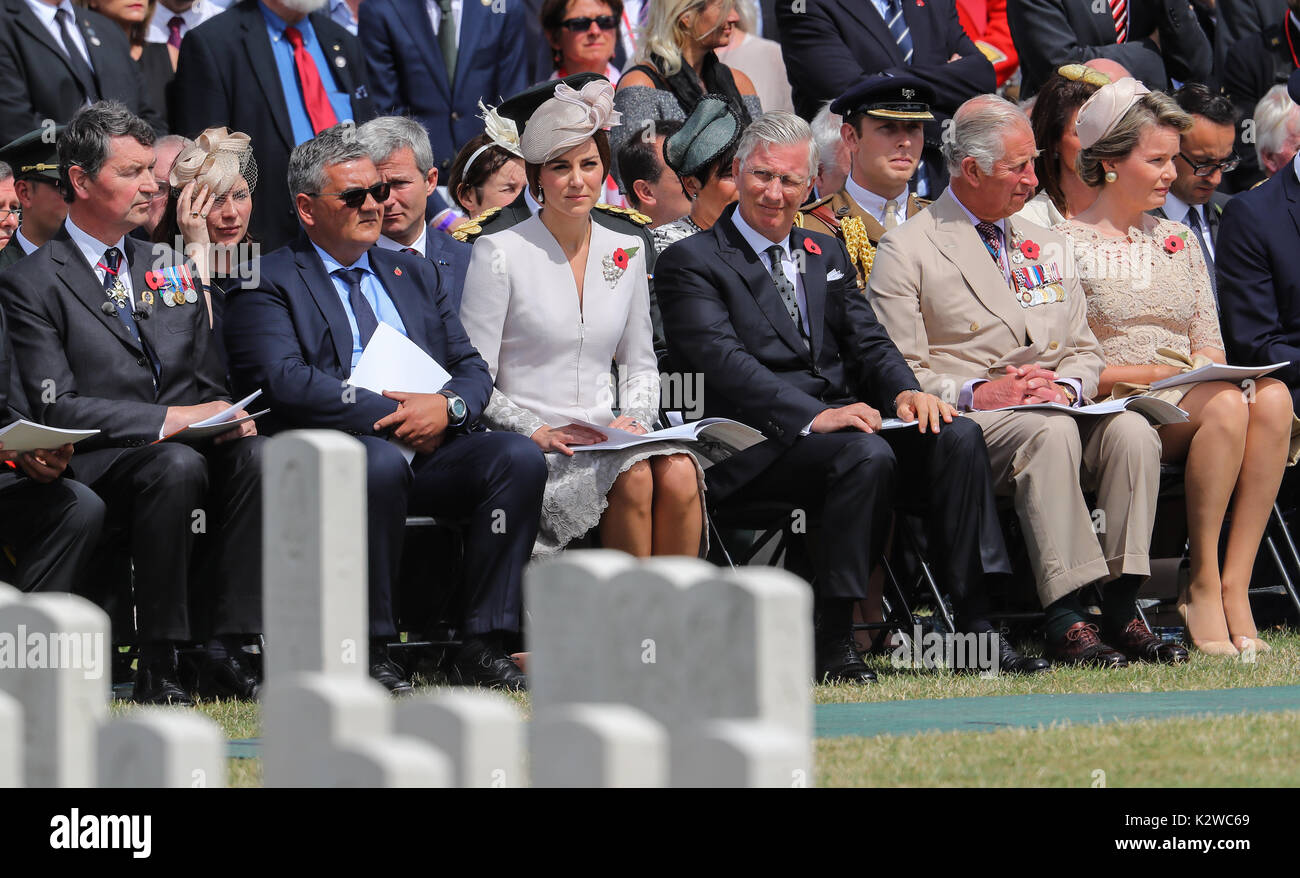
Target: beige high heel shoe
(1209, 647)
(1242, 642)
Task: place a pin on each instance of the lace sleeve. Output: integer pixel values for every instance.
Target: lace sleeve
(502, 414)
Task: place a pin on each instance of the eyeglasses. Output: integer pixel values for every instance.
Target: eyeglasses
(5, 214)
(582, 25)
(1080, 73)
(791, 185)
(354, 198)
(1206, 169)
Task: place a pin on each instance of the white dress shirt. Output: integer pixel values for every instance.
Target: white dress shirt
(200, 12)
(759, 244)
(47, 15)
(418, 245)
(875, 204)
(1179, 212)
(28, 247)
(435, 16)
(93, 250)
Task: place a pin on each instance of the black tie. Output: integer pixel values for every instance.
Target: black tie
(117, 294)
(1194, 221)
(80, 66)
(787, 291)
(367, 323)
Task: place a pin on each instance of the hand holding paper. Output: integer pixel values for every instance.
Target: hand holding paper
(420, 420)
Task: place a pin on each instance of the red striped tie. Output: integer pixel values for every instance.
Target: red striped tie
(1119, 12)
(319, 109)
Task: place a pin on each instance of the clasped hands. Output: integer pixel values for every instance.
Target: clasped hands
(420, 420)
(925, 409)
(1021, 385)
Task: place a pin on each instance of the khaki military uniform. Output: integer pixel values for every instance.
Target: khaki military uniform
(841, 216)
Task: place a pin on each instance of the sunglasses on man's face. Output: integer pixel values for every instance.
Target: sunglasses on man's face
(355, 198)
(582, 25)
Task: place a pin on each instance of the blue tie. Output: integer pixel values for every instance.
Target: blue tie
(367, 323)
(898, 27)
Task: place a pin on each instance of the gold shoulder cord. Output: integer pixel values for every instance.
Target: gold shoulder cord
(859, 247)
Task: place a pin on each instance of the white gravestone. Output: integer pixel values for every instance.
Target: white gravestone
(479, 731)
(11, 742)
(306, 718)
(598, 745)
(162, 747)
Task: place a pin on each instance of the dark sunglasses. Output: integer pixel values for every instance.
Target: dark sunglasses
(1206, 169)
(581, 25)
(354, 198)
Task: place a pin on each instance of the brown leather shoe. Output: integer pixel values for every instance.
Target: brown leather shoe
(1139, 644)
(1082, 646)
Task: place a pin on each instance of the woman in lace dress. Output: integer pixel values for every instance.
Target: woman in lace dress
(549, 303)
(1150, 306)
(701, 155)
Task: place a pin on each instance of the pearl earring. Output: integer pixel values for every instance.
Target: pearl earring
(1111, 176)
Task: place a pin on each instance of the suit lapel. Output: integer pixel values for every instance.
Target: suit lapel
(261, 58)
(332, 48)
(414, 16)
(320, 286)
(85, 286)
(956, 239)
(473, 22)
(758, 280)
(814, 289)
(871, 19)
(1291, 187)
(27, 20)
(101, 59)
(402, 290)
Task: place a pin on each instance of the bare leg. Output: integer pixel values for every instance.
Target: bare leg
(626, 523)
(1267, 438)
(1211, 445)
(678, 508)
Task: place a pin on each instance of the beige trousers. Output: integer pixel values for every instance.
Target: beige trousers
(1046, 461)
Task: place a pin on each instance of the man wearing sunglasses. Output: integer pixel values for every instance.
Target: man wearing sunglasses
(1205, 156)
(299, 334)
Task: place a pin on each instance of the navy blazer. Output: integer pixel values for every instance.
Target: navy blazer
(1258, 270)
(725, 320)
(227, 76)
(452, 258)
(408, 76)
(290, 336)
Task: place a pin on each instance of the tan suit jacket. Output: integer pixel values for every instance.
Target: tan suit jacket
(953, 316)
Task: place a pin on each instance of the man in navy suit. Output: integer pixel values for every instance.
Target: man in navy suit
(773, 319)
(831, 45)
(401, 151)
(241, 69)
(436, 71)
(299, 334)
(1258, 271)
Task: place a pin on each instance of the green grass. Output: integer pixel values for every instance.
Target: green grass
(1251, 750)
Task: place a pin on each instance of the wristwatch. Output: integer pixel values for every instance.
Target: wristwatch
(457, 411)
(1068, 391)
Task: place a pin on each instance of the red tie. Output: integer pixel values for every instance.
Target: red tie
(1119, 12)
(319, 110)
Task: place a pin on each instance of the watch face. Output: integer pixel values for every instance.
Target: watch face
(458, 408)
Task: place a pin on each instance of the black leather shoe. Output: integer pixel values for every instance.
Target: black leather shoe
(1082, 646)
(389, 675)
(480, 663)
(838, 662)
(227, 679)
(1012, 662)
(159, 684)
(1139, 644)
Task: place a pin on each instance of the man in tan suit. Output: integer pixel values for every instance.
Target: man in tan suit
(988, 314)
(884, 132)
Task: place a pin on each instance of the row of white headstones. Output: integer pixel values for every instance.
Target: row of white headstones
(668, 672)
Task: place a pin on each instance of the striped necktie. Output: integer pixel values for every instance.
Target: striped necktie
(1119, 12)
(898, 27)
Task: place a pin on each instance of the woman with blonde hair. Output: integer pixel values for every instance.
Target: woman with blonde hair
(549, 303)
(1151, 307)
(677, 65)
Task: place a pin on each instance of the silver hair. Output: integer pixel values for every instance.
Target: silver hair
(172, 140)
(1276, 116)
(977, 131)
(5, 171)
(387, 134)
(309, 159)
(778, 127)
(826, 134)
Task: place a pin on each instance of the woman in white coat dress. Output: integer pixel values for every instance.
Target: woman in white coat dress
(549, 303)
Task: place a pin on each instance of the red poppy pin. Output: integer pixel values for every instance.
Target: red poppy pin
(1174, 243)
(620, 258)
(811, 246)
(397, 271)
(154, 279)
(616, 263)
(1029, 249)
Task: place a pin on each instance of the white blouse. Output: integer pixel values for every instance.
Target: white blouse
(549, 355)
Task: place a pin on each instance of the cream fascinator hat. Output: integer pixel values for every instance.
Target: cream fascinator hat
(568, 119)
(1102, 112)
(217, 158)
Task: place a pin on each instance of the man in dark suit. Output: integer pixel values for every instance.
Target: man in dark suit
(787, 343)
(1259, 274)
(1237, 19)
(50, 522)
(42, 78)
(241, 69)
(1256, 63)
(34, 158)
(1049, 33)
(111, 333)
(438, 74)
(299, 334)
(400, 149)
(830, 46)
(1205, 154)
